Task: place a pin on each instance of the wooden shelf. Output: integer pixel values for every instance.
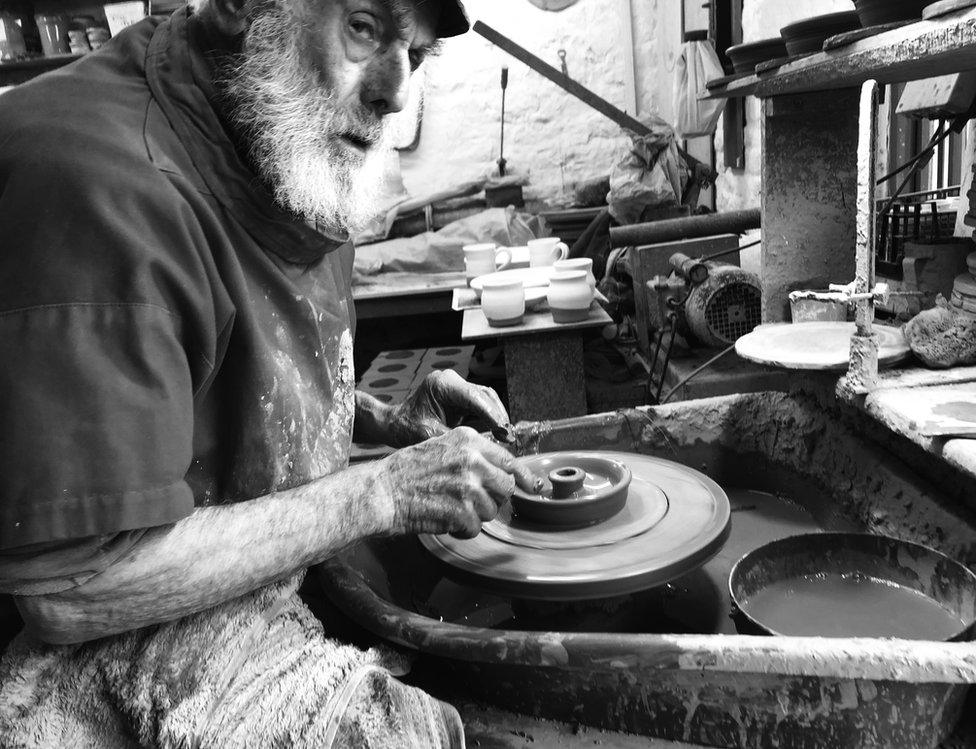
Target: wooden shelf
(20, 71)
(920, 50)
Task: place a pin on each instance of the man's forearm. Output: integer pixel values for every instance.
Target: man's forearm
(216, 554)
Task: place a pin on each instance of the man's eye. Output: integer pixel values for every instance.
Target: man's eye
(364, 28)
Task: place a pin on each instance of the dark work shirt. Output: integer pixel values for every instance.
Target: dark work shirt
(169, 337)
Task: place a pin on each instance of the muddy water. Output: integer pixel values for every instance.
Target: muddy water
(850, 605)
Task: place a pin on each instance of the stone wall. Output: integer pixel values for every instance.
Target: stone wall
(620, 49)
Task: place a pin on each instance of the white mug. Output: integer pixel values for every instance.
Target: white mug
(543, 252)
(503, 301)
(578, 263)
(482, 259)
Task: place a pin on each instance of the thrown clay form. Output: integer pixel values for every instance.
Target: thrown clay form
(570, 296)
(503, 302)
(874, 12)
(815, 345)
(674, 520)
(635, 518)
(530, 277)
(581, 489)
(745, 57)
(584, 264)
(942, 7)
(807, 36)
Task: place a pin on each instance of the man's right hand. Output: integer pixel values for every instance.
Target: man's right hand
(449, 484)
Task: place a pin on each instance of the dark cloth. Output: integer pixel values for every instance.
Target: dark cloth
(170, 337)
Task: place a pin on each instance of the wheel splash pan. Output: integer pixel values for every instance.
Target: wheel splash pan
(717, 690)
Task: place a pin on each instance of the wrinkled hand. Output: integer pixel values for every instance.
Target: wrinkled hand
(439, 403)
(449, 484)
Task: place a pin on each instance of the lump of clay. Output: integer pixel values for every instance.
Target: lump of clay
(942, 337)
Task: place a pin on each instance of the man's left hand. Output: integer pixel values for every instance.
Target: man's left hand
(441, 401)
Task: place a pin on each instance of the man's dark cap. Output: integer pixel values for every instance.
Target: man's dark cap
(453, 21)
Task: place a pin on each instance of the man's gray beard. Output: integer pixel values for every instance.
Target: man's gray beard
(291, 127)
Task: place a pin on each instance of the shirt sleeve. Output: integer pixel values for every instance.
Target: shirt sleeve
(57, 566)
(97, 421)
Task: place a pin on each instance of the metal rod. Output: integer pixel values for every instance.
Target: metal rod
(501, 150)
(862, 373)
(667, 356)
(543, 68)
(670, 230)
(570, 86)
(694, 373)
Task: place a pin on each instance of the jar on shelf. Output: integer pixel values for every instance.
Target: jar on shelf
(53, 28)
(12, 45)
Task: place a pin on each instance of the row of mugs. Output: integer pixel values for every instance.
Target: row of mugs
(482, 259)
(571, 291)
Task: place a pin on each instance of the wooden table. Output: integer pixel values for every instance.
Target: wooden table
(403, 294)
(543, 361)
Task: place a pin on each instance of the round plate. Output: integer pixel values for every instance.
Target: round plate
(745, 57)
(692, 530)
(638, 515)
(942, 7)
(817, 345)
(604, 490)
(807, 36)
(530, 277)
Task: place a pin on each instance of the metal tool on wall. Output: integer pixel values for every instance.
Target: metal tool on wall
(506, 191)
(703, 174)
(501, 149)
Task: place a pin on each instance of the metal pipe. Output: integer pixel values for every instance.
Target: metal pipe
(691, 227)
(862, 374)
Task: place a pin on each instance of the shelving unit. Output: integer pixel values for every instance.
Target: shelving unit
(809, 144)
(809, 184)
(920, 50)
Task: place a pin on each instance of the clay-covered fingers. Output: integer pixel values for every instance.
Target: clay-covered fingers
(455, 393)
(505, 461)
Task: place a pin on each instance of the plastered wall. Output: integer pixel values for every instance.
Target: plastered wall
(760, 19)
(621, 49)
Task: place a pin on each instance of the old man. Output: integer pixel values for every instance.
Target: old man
(177, 396)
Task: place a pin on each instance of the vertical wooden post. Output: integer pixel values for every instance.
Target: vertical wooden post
(809, 178)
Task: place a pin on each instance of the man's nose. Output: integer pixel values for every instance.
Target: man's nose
(388, 82)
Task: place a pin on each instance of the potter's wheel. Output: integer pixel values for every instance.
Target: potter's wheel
(674, 519)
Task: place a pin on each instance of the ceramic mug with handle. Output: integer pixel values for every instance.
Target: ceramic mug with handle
(544, 252)
(482, 259)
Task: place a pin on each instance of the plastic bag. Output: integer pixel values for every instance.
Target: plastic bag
(651, 174)
(697, 64)
(438, 252)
